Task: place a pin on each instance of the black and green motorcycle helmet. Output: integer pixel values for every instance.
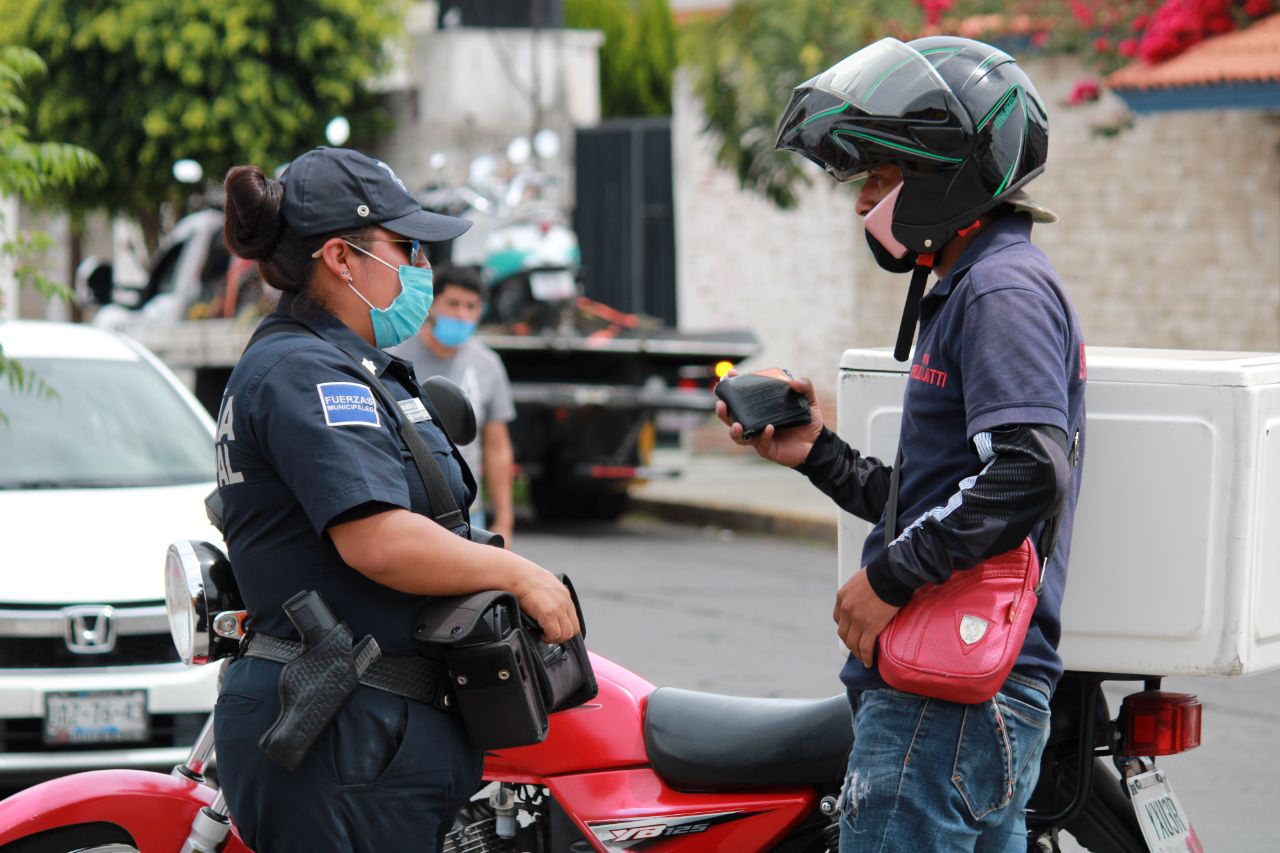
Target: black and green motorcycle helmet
(959, 117)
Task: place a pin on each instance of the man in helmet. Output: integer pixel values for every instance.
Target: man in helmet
(946, 131)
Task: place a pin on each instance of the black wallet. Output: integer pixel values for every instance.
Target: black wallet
(756, 401)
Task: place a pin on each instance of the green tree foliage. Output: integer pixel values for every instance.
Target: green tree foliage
(143, 83)
(744, 64)
(638, 55)
(32, 171)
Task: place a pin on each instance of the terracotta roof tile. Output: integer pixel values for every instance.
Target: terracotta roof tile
(1251, 55)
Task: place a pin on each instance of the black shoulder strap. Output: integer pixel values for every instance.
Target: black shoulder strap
(1048, 536)
(446, 509)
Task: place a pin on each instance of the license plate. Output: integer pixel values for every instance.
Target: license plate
(104, 716)
(550, 286)
(1164, 824)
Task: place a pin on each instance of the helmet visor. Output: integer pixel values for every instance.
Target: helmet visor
(887, 79)
(868, 107)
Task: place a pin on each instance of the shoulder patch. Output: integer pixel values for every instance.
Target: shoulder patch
(348, 404)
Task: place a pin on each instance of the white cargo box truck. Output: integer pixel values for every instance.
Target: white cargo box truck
(1175, 559)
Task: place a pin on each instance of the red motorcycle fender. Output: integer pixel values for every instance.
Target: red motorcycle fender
(629, 808)
(154, 808)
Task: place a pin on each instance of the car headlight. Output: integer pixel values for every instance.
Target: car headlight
(206, 614)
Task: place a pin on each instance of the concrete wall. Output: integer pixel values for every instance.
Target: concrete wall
(791, 276)
(1169, 237)
(467, 92)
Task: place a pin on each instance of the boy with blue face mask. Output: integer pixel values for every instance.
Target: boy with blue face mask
(447, 346)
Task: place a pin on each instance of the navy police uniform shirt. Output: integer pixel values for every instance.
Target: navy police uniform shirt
(303, 442)
(999, 344)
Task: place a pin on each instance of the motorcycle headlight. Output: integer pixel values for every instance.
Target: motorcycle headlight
(198, 587)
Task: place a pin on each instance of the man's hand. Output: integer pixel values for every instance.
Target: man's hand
(861, 615)
(791, 446)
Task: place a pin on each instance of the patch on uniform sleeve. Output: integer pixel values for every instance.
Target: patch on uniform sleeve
(348, 404)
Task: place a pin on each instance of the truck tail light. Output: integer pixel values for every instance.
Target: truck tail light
(612, 472)
(1158, 723)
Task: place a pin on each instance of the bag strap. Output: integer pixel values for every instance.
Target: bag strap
(438, 492)
(1048, 537)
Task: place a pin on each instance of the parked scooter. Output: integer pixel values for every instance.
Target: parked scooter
(520, 240)
(638, 768)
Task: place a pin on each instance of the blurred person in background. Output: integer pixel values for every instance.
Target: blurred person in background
(447, 346)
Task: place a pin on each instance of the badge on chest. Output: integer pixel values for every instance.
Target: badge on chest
(414, 410)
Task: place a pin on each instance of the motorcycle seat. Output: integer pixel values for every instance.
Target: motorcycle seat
(707, 742)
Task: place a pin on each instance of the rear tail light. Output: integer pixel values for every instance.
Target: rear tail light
(1158, 723)
(612, 472)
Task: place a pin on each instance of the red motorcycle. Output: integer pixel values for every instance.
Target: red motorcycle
(662, 770)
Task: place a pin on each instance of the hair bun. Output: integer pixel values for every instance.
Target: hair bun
(254, 221)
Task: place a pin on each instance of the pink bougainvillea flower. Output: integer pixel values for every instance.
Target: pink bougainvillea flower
(1083, 92)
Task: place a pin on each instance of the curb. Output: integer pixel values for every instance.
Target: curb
(739, 518)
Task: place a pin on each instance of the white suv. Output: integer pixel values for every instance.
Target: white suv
(98, 474)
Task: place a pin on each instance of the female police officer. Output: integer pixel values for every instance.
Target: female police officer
(320, 492)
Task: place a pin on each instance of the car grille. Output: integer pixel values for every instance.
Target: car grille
(27, 734)
(78, 636)
(50, 653)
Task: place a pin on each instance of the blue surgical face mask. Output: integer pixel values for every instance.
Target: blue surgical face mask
(400, 320)
(451, 331)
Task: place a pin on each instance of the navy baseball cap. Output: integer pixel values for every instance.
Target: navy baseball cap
(328, 190)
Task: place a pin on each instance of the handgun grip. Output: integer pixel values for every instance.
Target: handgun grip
(310, 616)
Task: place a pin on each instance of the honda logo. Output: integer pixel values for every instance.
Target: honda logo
(90, 630)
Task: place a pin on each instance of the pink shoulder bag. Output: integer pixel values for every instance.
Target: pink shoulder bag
(958, 640)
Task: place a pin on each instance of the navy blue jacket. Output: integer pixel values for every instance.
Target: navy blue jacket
(303, 443)
(994, 396)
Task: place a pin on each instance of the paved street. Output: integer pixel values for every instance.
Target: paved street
(710, 610)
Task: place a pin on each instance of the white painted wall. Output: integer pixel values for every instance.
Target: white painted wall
(8, 283)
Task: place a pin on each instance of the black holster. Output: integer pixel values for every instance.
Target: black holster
(312, 688)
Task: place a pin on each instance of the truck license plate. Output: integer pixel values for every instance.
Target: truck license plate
(103, 716)
(1164, 824)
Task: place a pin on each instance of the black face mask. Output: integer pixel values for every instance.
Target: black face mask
(886, 260)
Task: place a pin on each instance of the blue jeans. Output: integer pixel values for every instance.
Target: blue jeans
(928, 775)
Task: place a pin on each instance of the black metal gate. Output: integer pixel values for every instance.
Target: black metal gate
(625, 215)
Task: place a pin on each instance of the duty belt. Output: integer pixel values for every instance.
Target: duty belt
(417, 678)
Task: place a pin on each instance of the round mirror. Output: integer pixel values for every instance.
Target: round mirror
(338, 131)
(519, 151)
(547, 143)
(482, 167)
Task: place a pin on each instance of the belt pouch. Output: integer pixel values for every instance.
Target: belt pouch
(565, 674)
(484, 635)
(498, 692)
